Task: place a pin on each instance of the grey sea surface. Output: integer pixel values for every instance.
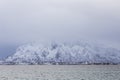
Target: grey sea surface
(59, 72)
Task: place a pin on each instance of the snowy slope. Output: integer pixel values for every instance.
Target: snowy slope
(64, 53)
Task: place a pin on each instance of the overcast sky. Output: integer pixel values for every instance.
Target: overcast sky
(31, 20)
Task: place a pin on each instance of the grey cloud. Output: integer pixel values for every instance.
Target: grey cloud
(29, 20)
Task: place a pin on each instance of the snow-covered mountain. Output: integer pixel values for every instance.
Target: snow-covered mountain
(64, 53)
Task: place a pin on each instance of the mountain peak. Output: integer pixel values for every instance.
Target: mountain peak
(64, 53)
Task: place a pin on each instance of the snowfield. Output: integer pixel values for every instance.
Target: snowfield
(64, 53)
(60, 72)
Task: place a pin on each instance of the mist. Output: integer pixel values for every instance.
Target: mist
(24, 21)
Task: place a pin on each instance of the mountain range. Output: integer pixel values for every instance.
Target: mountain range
(64, 53)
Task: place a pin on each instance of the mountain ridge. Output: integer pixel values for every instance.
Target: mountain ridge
(64, 53)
